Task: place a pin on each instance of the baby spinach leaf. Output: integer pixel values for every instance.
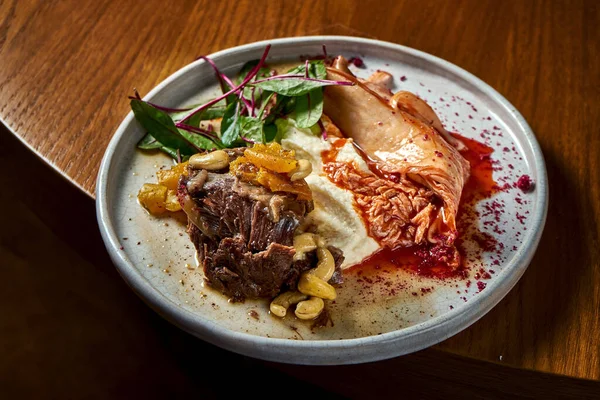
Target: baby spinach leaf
(149, 143)
(249, 66)
(160, 125)
(291, 86)
(210, 113)
(316, 69)
(230, 125)
(171, 152)
(270, 132)
(199, 141)
(252, 128)
(309, 108)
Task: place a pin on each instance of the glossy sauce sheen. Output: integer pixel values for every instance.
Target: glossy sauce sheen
(424, 260)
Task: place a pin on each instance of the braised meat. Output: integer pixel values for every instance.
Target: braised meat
(243, 234)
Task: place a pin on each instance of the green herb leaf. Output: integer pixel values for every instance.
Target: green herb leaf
(246, 68)
(262, 73)
(283, 106)
(290, 86)
(299, 86)
(316, 69)
(309, 108)
(210, 113)
(200, 141)
(230, 125)
(160, 125)
(149, 143)
(172, 153)
(252, 128)
(270, 132)
(206, 115)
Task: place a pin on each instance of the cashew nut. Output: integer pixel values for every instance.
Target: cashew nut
(212, 161)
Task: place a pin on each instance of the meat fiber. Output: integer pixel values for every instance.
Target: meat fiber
(243, 234)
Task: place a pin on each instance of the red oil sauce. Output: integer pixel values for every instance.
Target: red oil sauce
(428, 260)
(329, 156)
(420, 260)
(481, 184)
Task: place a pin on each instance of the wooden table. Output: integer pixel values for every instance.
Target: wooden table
(65, 70)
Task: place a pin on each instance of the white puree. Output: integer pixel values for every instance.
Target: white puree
(334, 216)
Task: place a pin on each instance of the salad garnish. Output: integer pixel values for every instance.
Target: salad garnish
(247, 107)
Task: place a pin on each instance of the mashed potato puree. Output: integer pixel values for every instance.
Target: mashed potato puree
(334, 218)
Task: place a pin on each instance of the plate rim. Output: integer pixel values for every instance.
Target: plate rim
(339, 351)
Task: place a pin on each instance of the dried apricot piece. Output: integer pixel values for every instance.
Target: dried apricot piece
(170, 177)
(274, 162)
(152, 197)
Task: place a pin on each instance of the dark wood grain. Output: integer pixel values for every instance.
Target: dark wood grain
(66, 67)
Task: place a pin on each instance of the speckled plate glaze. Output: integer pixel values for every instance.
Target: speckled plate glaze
(373, 320)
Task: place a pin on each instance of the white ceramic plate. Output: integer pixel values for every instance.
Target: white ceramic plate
(370, 321)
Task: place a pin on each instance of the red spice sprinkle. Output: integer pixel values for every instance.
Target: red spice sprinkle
(357, 61)
(403, 78)
(439, 154)
(525, 183)
(481, 285)
(425, 137)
